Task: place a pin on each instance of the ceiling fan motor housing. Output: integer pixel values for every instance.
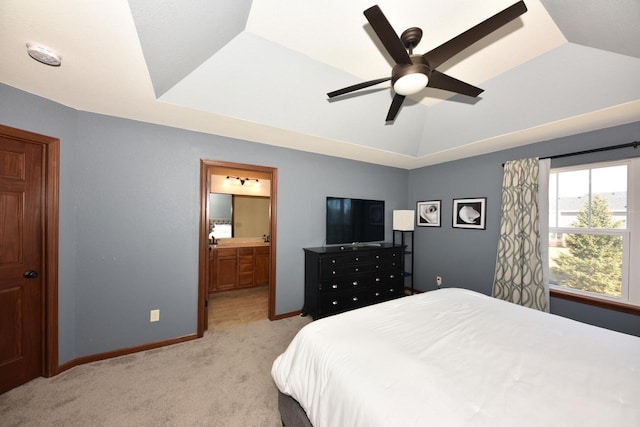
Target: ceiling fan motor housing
(418, 66)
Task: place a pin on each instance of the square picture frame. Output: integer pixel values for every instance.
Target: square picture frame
(428, 213)
(470, 213)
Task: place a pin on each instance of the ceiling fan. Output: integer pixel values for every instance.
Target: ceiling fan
(412, 73)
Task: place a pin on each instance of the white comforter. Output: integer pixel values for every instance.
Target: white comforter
(454, 357)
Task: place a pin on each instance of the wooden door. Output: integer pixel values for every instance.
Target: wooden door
(21, 247)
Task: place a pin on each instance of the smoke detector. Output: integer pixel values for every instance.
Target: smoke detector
(44, 54)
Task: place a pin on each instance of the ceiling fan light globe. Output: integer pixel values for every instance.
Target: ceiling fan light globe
(410, 84)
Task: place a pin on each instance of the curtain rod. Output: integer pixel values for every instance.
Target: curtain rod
(633, 144)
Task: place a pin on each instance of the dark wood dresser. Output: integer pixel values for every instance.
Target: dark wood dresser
(341, 278)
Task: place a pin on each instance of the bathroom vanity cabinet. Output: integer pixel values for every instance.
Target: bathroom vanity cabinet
(238, 267)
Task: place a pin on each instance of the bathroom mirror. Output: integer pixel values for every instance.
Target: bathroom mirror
(232, 215)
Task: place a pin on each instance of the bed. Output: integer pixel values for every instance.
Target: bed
(455, 357)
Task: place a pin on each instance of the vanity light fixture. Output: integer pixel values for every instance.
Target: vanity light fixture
(241, 181)
(44, 55)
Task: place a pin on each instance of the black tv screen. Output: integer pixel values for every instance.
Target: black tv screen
(354, 220)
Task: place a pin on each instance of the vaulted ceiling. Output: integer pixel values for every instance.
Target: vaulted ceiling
(260, 71)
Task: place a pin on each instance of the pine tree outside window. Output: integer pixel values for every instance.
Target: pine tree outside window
(593, 230)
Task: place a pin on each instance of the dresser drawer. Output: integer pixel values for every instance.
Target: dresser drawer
(341, 266)
(387, 265)
(346, 270)
(335, 303)
(386, 277)
(327, 262)
(394, 254)
(385, 292)
(355, 258)
(340, 284)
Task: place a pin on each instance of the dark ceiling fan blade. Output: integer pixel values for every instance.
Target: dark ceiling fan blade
(395, 107)
(387, 35)
(442, 81)
(448, 49)
(357, 87)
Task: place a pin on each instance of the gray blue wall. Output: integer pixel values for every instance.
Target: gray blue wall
(466, 257)
(129, 215)
(129, 218)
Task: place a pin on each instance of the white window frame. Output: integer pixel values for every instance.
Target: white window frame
(630, 292)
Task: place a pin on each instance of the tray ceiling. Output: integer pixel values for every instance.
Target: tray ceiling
(260, 71)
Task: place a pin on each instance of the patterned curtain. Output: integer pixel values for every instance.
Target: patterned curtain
(520, 271)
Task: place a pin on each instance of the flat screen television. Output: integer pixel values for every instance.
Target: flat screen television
(354, 220)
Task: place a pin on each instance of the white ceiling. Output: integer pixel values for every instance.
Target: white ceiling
(260, 71)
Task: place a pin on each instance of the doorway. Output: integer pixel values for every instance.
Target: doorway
(29, 182)
(208, 168)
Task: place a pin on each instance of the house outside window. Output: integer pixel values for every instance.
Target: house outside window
(594, 230)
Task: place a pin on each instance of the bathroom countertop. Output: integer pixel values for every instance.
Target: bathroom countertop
(239, 245)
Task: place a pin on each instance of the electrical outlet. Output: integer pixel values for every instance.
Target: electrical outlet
(439, 281)
(154, 315)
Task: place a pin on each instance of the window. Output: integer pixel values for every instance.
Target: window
(594, 229)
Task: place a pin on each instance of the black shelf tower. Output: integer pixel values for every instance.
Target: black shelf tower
(407, 273)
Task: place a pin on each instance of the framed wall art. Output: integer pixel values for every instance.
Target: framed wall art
(428, 213)
(470, 213)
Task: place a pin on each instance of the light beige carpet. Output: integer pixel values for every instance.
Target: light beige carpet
(223, 379)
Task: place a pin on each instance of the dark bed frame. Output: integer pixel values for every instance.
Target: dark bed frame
(291, 413)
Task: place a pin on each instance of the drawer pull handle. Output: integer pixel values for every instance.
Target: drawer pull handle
(377, 279)
(357, 269)
(357, 259)
(377, 256)
(334, 286)
(392, 276)
(355, 299)
(334, 302)
(333, 272)
(377, 294)
(355, 283)
(391, 290)
(333, 261)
